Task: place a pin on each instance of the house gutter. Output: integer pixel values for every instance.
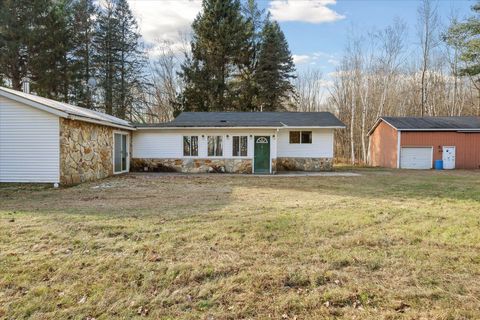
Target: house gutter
(243, 128)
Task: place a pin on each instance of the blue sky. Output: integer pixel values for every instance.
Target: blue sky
(316, 30)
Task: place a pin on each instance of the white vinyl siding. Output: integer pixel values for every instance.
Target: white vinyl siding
(29, 144)
(321, 146)
(416, 158)
(168, 144)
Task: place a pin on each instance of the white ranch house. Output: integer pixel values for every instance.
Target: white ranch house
(246, 142)
(46, 141)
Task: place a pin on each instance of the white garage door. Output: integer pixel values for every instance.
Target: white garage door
(416, 158)
(29, 144)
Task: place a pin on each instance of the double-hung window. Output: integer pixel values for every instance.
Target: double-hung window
(300, 137)
(190, 146)
(240, 146)
(215, 146)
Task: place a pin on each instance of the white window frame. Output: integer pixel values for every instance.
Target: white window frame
(198, 146)
(239, 136)
(300, 132)
(223, 146)
(127, 153)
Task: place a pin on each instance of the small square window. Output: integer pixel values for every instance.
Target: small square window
(294, 136)
(306, 136)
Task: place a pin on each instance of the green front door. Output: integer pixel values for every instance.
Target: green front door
(261, 157)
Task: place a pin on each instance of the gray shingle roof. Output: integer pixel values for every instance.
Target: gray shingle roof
(65, 107)
(251, 119)
(434, 123)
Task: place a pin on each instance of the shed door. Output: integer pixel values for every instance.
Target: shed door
(416, 158)
(448, 157)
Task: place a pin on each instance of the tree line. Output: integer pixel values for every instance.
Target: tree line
(74, 51)
(380, 74)
(89, 54)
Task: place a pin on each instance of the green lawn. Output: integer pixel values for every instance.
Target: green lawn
(384, 245)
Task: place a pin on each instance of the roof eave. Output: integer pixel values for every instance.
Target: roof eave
(105, 123)
(242, 127)
(59, 113)
(34, 104)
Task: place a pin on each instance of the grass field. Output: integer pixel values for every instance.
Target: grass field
(384, 245)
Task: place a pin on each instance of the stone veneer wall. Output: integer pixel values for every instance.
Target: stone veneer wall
(86, 151)
(193, 165)
(304, 164)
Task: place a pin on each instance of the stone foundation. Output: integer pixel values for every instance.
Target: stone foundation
(192, 165)
(86, 151)
(304, 164)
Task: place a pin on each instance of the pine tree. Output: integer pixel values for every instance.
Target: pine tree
(219, 40)
(466, 37)
(275, 69)
(14, 37)
(247, 88)
(50, 47)
(106, 59)
(83, 53)
(130, 61)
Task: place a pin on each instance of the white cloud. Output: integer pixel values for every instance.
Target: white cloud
(301, 58)
(165, 21)
(312, 11)
(321, 58)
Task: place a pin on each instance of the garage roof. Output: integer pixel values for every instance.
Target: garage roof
(468, 123)
(64, 110)
(250, 119)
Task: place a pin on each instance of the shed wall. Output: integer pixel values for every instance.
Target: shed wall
(467, 145)
(383, 146)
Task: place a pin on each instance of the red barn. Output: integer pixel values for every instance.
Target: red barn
(416, 142)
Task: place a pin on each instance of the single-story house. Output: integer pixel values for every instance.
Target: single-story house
(416, 142)
(237, 142)
(42, 140)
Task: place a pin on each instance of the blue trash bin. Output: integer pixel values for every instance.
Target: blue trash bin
(438, 164)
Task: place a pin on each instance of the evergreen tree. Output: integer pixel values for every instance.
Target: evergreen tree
(14, 36)
(106, 40)
(119, 59)
(219, 40)
(83, 53)
(247, 88)
(466, 36)
(50, 48)
(130, 61)
(275, 69)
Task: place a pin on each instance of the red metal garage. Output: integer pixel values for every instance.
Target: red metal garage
(415, 143)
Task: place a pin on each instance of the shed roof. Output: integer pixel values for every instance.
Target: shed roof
(64, 109)
(466, 123)
(250, 119)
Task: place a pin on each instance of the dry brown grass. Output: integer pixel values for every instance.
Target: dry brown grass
(385, 245)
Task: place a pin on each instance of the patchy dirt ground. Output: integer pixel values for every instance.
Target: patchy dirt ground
(382, 245)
